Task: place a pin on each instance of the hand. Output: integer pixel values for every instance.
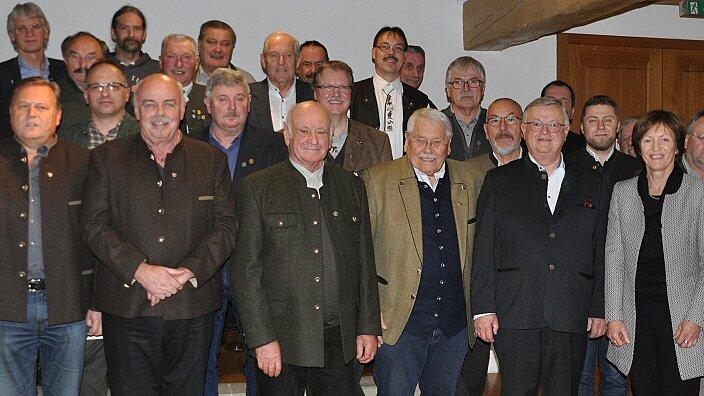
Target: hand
(379, 339)
(687, 334)
(616, 332)
(269, 358)
(182, 274)
(486, 327)
(158, 280)
(366, 348)
(94, 321)
(153, 300)
(596, 327)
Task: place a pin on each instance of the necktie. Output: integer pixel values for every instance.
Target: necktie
(388, 109)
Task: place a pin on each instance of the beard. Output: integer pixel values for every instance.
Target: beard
(600, 144)
(130, 44)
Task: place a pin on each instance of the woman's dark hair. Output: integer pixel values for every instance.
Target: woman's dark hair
(659, 117)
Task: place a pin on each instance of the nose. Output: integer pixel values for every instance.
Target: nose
(281, 60)
(105, 92)
(179, 63)
(31, 111)
(231, 104)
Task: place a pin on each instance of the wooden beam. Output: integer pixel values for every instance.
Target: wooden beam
(496, 25)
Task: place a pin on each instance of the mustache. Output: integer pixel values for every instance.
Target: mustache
(504, 134)
(390, 57)
(232, 114)
(164, 119)
(81, 70)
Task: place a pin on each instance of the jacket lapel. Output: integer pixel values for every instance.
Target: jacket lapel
(369, 100)
(260, 105)
(410, 199)
(353, 148)
(460, 208)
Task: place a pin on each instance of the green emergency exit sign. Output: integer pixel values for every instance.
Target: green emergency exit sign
(691, 9)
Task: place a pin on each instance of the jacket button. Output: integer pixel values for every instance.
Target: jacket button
(312, 195)
(125, 285)
(22, 274)
(334, 213)
(24, 159)
(413, 297)
(464, 187)
(281, 223)
(552, 235)
(354, 218)
(594, 167)
(159, 183)
(317, 307)
(23, 215)
(317, 279)
(161, 210)
(316, 251)
(25, 187)
(161, 239)
(551, 267)
(21, 244)
(544, 176)
(315, 222)
(49, 174)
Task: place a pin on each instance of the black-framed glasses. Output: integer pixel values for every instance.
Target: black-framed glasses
(330, 88)
(552, 126)
(472, 83)
(509, 119)
(100, 87)
(398, 48)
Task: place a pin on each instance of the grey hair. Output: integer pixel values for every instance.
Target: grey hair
(296, 44)
(179, 37)
(226, 77)
(430, 115)
(290, 117)
(547, 101)
(24, 11)
(698, 116)
(464, 63)
(626, 122)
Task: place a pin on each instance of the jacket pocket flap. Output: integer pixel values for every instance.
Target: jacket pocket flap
(206, 197)
(74, 203)
(472, 220)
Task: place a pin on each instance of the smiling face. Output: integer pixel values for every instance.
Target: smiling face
(335, 92)
(216, 48)
(413, 69)
(160, 107)
(388, 63)
(280, 60)
(311, 58)
(427, 146)
(81, 54)
(228, 107)
(307, 133)
(29, 35)
(34, 114)
(544, 143)
(658, 148)
(179, 61)
(599, 126)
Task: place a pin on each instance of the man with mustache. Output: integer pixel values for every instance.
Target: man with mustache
(248, 150)
(465, 81)
(273, 97)
(29, 31)
(564, 92)
(159, 216)
(413, 68)
(422, 215)
(625, 136)
(179, 60)
(303, 270)
(313, 54)
(693, 158)
(128, 30)
(383, 101)
(503, 131)
(80, 52)
(216, 44)
(599, 124)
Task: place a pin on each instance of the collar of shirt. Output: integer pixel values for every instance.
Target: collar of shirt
(187, 91)
(27, 71)
(422, 177)
(313, 179)
(339, 141)
(380, 83)
(41, 152)
(560, 167)
(274, 90)
(596, 156)
(554, 181)
(520, 155)
(161, 153)
(96, 136)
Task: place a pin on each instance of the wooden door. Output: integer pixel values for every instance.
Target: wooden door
(683, 82)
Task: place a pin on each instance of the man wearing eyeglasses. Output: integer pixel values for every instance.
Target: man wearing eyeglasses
(355, 146)
(538, 273)
(383, 101)
(29, 31)
(107, 94)
(273, 97)
(465, 81)
(693, 158)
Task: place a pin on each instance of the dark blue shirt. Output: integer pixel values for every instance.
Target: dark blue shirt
(231, 151)
(35, 258)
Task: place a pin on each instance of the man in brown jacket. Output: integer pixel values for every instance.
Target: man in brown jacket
(159, 216)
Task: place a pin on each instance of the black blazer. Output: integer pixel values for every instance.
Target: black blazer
(184, 218)
(9, 78)
(196, 116)
(68, 265)
(617, 168)
(365, 109)
(260, 112)
(533, 268)
(277, 271)
(479, 144)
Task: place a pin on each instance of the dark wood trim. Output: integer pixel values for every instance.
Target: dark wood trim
(621, 41)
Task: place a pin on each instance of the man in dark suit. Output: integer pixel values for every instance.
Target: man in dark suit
(159, 216)
(29, 33)
(216, 45)
(383, 101)
(248, 150)
(564, 92)
(465, 81)
(179, 60)
(355, 146)
(538, 274)
(303, 276)
(45, 269)
(274, 96)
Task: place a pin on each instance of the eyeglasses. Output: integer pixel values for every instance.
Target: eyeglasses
(398, 48)
(434, 144)
(100, 87)
(699, 138)
(510, 120)
(25, 28)
(459, 84)
(537, 126)
(330, 88)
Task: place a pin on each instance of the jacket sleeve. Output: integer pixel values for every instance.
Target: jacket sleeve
(695, 311)
(483, 283)
(216, 246)
(246, 271)
(596, 309)
(121, 257)
(614, 261)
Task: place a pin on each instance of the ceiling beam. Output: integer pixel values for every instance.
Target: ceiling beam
(496, 25)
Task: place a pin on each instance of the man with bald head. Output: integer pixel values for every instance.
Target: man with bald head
(273, 97)
(303, 271)
(179, 60)
(159, 216)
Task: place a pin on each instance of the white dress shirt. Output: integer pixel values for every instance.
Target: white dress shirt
(313, 179)
(396, 135)
(422, 177)
(280, 105)
(596, 156)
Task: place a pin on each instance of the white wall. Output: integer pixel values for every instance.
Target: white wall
(347, 29)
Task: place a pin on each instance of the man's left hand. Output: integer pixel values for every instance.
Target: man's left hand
(182, 274)
(596, 327)
(366, 348)
(94, 321)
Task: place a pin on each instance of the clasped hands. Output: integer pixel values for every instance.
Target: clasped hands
(161, 282)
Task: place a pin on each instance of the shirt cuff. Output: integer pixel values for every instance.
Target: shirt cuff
(475, 317)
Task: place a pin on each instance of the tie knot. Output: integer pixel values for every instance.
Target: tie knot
(388, 89)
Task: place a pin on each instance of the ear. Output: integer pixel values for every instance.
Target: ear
(486, 131)
(206, 100)
(287, 135)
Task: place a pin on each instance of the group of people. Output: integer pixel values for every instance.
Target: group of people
(343, 223)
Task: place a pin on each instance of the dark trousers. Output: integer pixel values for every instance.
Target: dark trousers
(152, 356)
(611, 381)
(473, 375)
(540, 358)
(335, 377)
(654, 370)
(95, 370)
